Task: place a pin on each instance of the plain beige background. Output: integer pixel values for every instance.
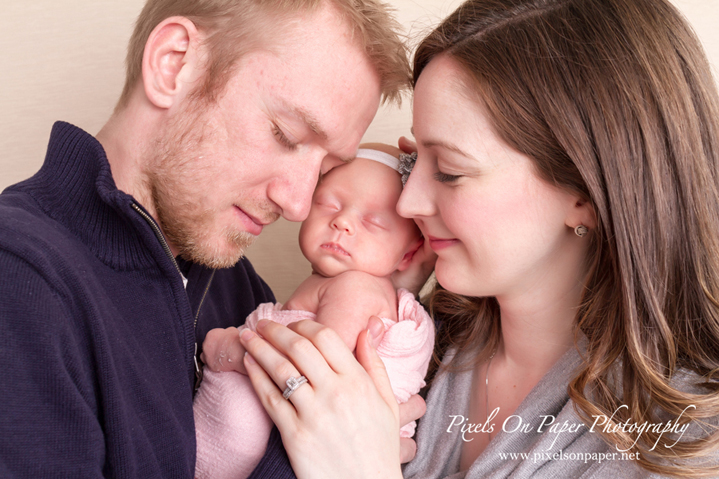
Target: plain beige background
(63, 60)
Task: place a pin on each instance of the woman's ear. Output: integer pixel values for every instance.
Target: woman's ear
(582, 213)
(171, 60)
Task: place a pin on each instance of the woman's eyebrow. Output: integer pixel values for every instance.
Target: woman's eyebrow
(447, 146)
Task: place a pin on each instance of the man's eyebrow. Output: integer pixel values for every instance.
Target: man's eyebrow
(308, 119)
(447, 146)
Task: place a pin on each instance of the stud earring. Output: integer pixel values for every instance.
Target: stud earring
(581, 230)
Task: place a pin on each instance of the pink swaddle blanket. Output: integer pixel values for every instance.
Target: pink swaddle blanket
(231, 425)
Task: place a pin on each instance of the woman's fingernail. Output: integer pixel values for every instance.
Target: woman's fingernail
(250, 360)
(375, 330)
(246, 335)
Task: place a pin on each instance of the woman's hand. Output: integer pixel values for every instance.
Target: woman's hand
(406, 145)
(345, 422)
(413, 409)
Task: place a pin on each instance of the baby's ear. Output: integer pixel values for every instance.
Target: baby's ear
(409, 254)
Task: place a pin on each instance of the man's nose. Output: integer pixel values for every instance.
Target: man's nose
(417, 195)
(296, 199)
(293, 193)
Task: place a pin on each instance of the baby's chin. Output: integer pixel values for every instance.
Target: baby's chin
(329, 266)
(329, 271)
(336, 270)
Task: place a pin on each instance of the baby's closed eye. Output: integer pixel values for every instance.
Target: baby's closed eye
(327, 205)
(375, 222)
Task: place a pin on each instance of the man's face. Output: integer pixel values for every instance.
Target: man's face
(353, 224)
(289, 112)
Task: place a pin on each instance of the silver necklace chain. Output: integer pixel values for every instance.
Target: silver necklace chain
(486, 391)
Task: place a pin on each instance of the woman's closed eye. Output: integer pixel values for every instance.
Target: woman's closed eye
(445, 178)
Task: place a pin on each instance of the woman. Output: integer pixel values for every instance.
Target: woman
(567, 172)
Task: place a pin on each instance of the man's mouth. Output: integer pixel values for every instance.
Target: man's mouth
(252, 224)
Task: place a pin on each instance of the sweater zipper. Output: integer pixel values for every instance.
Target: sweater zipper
(168, 252)
(198, 369)
(159, 236)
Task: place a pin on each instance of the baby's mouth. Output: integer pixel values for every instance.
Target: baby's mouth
(334, 248)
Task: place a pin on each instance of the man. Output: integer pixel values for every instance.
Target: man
(122, 251)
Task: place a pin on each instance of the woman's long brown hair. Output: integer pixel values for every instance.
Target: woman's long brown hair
(613, 100)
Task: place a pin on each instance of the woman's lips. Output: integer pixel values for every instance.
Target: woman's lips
(334, 248)
(251, 224)
(441, 243)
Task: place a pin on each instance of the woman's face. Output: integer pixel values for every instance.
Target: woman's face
(496, 227)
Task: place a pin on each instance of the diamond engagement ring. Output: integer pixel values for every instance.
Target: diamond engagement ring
(293, 384)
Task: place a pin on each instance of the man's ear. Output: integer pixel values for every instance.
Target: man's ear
(409, 254)
(171, 60)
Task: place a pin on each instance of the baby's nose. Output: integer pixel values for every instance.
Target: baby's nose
(343, 223)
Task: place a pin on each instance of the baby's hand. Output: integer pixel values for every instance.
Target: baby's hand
(222, 351)
(416, 275)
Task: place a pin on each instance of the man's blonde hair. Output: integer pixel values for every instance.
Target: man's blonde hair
(234, 27)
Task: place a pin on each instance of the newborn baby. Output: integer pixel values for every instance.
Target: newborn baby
(355, 240)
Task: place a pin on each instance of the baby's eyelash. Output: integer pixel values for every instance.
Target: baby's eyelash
(282, 138)
(445, 178)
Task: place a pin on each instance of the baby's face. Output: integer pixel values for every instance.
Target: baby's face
(353, 224)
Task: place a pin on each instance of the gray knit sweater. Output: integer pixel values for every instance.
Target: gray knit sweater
(515, 452)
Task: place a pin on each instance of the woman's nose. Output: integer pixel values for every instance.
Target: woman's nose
(343, 223)
(417, 195)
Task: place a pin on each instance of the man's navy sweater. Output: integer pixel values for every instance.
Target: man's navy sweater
(98, 331)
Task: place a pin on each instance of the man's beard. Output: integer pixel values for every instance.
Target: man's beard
(177, 188)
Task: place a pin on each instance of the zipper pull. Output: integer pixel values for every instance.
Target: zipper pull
(198, 371)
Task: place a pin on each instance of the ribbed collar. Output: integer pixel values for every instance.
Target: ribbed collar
(75, 187)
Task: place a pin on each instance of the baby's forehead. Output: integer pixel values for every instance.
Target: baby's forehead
(370, 182)
(362, 170)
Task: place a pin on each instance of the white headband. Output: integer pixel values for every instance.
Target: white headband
(380, 157)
